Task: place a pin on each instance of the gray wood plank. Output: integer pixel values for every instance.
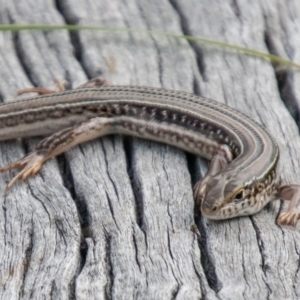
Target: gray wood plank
(114, 218)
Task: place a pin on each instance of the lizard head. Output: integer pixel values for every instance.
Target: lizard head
(223, 196)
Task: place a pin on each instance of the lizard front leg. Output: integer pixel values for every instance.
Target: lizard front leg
(220, 160)
(291, 193)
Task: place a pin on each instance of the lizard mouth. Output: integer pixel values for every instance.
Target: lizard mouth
(231, 210)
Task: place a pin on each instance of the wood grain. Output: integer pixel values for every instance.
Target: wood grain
(114, 218)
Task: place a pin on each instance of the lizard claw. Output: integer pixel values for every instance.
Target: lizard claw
(30, 165)
(288, 218)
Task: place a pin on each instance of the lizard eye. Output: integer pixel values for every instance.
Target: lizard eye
(239, 195)
(215, 207)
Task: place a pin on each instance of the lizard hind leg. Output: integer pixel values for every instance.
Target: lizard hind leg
(56, 144)
(62, 85)
(30, 165)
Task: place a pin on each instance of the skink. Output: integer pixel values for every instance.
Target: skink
(241, 178)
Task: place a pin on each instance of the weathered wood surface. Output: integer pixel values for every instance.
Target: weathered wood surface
(112, 219)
